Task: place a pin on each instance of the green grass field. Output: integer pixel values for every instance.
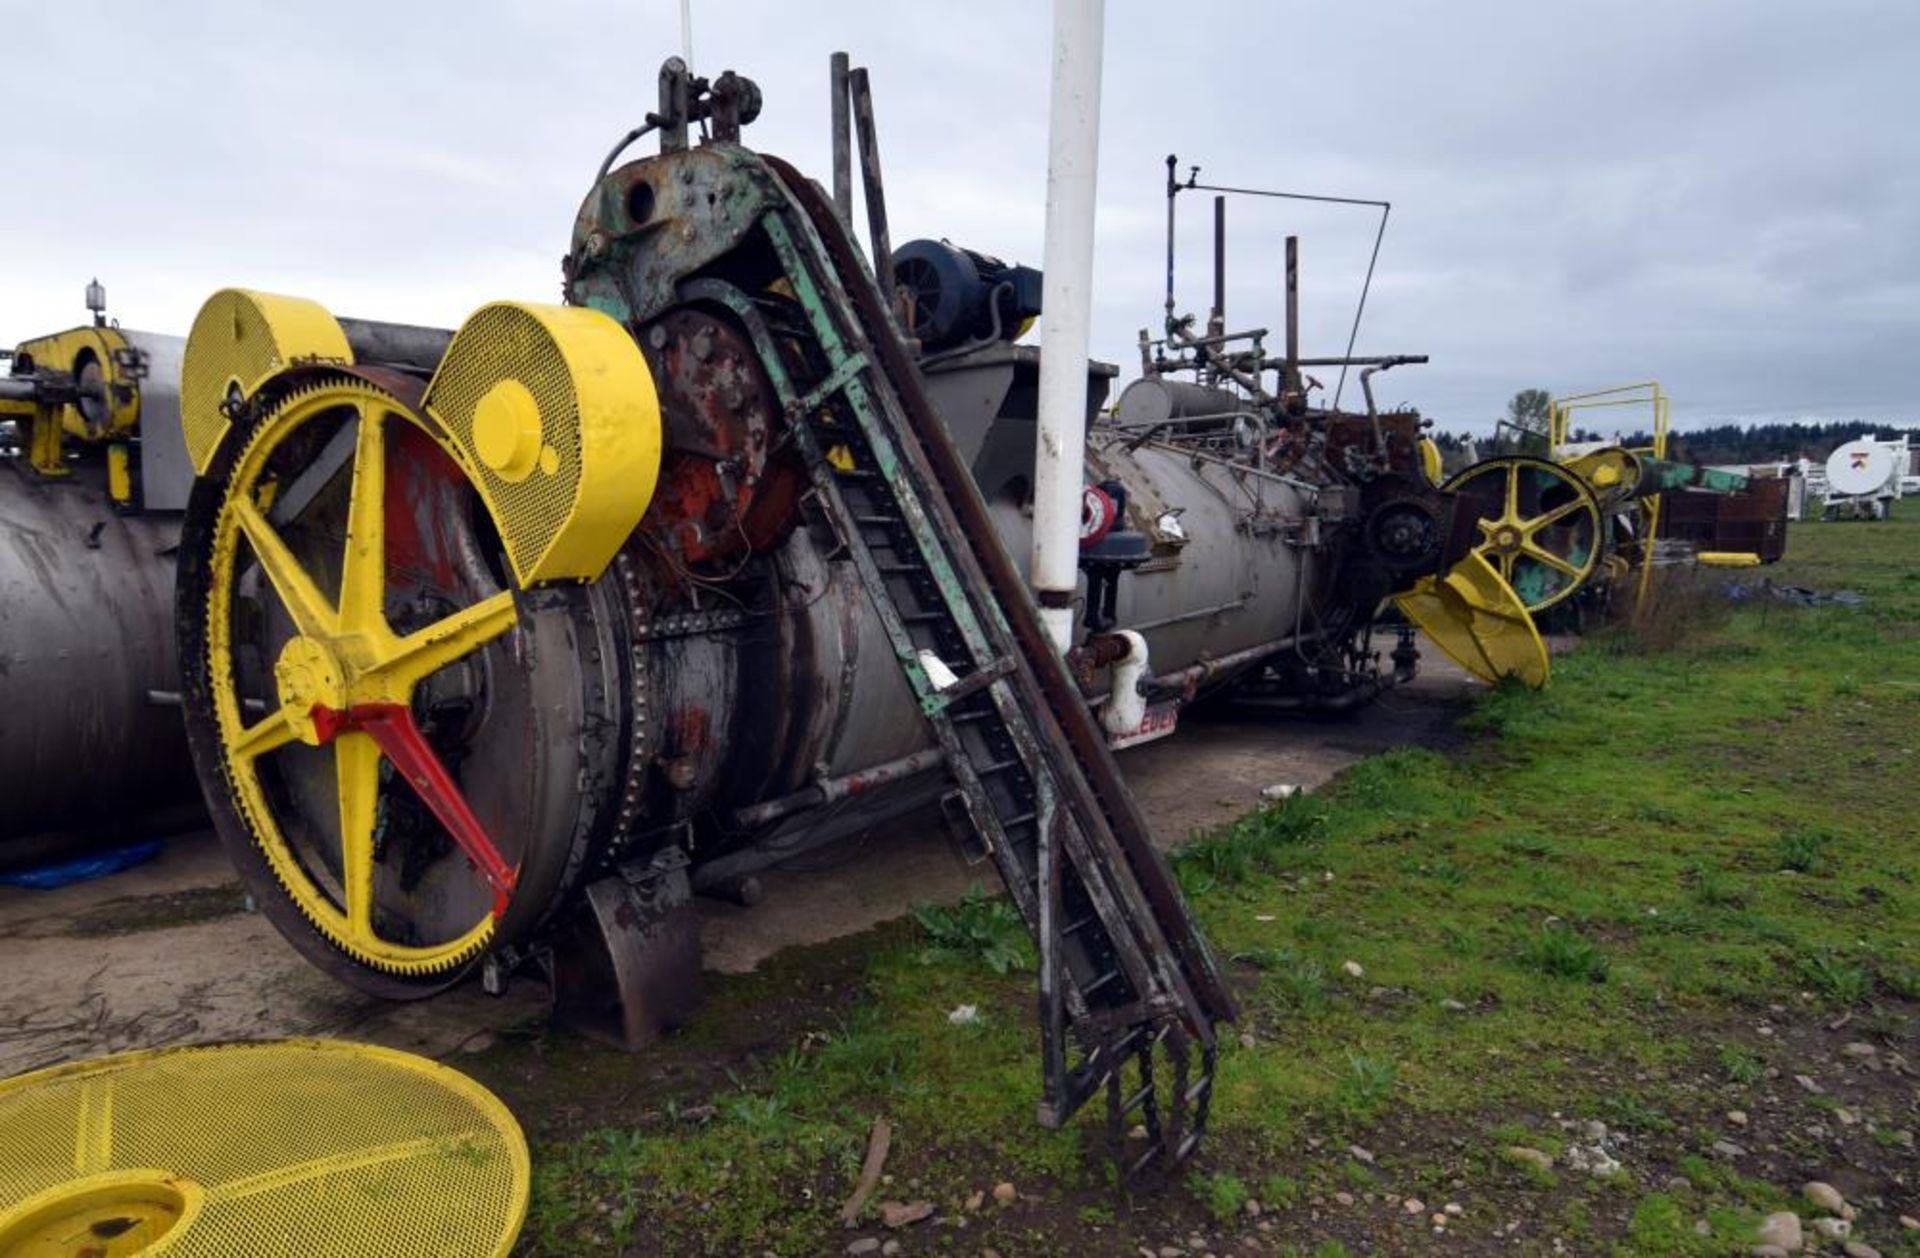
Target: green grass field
(1648, 897)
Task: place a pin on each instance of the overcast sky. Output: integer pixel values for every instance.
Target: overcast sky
(1721, 195)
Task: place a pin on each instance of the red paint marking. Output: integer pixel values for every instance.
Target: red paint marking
(392, 729)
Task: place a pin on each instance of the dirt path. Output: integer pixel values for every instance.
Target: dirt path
(168, 953)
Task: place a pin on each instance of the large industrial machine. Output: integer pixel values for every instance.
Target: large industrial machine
(93, 478)
(498, 645)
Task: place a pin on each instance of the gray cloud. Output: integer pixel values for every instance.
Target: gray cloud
(1721, 194)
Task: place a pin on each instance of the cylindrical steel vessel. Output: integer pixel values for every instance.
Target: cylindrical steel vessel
(89, 722)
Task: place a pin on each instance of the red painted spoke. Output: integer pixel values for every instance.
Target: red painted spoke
(392, 728)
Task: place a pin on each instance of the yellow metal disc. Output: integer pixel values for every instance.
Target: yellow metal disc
(1473, 615)
(313, 1147)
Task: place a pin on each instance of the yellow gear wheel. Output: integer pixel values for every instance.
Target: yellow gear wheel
(343, 656)
(1540, 526)
(320, 1148)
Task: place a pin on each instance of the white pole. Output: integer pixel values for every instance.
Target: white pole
(686, 34)
(1066, 310)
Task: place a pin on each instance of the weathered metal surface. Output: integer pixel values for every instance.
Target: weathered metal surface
(626, 968)
(86, 636)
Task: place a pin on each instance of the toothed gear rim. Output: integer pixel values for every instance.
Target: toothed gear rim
(520, 710)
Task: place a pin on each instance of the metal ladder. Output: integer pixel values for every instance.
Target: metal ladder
(1124, 974)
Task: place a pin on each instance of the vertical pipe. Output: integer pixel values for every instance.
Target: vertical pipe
(1217, 322)
(686, 33)
(1292, 382)
(842, 144)
(874, 189)
(1067, 304)
(1173, 190)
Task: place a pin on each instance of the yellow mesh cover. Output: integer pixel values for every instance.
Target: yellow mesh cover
(309, 1147)
(1473, 615)
(554, 412)
(240, 338)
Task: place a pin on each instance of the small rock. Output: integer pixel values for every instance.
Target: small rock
(1452, 1006)
(1833, 1229)
(1247, 1039)
(1252, 1208)
(1533, 1157)
(1172, 1251)
(964, 1015)
(1727, 1150)
(895, 1214)
(1344, 1198)
(1004, 1194)
(1359, 1154)
(480, 1042)
(1767, 1251)
(1806, 1082)
(865, 1245)
(1353, 969)
(1823, 1196)
(1455, 1209)
(1146, 1252)
(889, 1249)
(976, 1200)
(1910, 1223)
(1860, 1050)
(1413, 1205)
(1738, 1117)
(1846, 1117)
(1593, 1129)
(1593, 1159)
(1781, 1229)
(1859, 1249)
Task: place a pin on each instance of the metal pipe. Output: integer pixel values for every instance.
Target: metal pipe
(19, 389)
(1073, 162)
(1217, 322)
(842, 143)
(1206, 670)
(395, 344)
(1198, 613)
(875, 189)
(1290, 379)
(1173, 191)
(832, 790)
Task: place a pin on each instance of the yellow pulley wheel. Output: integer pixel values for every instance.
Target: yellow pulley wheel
(1475, 617)
(1540, 526)
(320, 1148)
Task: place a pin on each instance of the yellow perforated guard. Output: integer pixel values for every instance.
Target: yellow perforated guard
(240, 338)
(1475, 617)
(554, 414)
(311, 1147)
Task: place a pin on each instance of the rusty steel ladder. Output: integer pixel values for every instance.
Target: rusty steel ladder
(1124, 973)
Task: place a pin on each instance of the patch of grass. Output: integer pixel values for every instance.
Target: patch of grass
(1803, 850)
(1281, 1192)
(1365, 1086)
(1223, 1193)
(1739, 1068)
(1248, 847)
(1634, 1112)
(978, 926)
(1296, 983)
(1840, 979)
(1564, 952)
